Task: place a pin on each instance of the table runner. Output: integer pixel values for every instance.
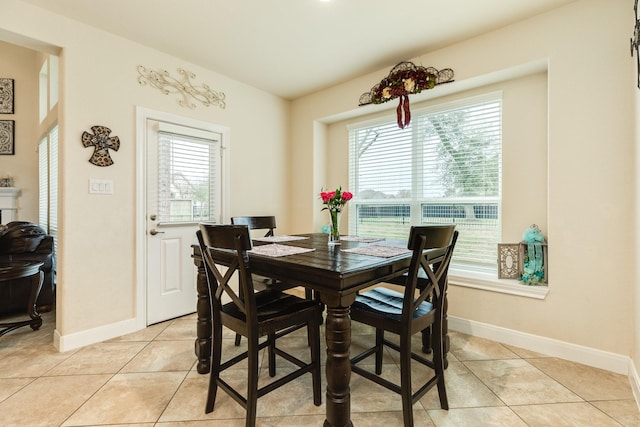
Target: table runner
(378, 250)
(276, 250)
(361, 239)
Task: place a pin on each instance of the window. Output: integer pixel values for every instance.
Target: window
(48, 148)
(444, 168)
(188, 175)
(48, 87)
(43, 79)
(48, 184)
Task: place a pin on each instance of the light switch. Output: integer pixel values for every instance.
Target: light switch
(100, 186)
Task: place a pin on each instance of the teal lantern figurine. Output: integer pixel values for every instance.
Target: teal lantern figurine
(533, 267)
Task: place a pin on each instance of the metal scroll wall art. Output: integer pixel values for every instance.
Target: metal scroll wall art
(403, 80)
(102, 143)
(188, 91)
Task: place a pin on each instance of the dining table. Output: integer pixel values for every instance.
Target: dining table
(336, 273)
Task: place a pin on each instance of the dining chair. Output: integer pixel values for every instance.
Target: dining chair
(410, 312)
(267, 224)
(268, 313)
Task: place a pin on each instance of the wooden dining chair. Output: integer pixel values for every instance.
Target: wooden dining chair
(408, 313)
(269, 313)
(268, 225)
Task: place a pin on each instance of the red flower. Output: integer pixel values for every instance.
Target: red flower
(335, 200)
(326, 196)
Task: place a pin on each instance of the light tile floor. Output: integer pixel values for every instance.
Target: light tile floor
(149, 378)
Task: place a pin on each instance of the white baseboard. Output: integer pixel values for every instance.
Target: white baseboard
(576, 353)
(92, 336)
(635, 383)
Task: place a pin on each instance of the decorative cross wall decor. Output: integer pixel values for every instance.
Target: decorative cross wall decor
(102, 143)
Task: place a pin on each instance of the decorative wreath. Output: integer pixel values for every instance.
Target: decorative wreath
(405, 79)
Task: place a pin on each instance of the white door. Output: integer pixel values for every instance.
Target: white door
(183, 177)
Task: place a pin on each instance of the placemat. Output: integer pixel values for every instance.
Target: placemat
(378, 250)
(283, 238)
(361, 239)
(276, 250)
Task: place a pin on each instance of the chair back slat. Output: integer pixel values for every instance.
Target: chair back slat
(219, 240)
(267, 223)
(421, 240)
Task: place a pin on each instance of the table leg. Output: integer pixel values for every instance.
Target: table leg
(36, 286)
(338, 369)
(203, 325)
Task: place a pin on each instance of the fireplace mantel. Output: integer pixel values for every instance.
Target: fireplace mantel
(9, 204)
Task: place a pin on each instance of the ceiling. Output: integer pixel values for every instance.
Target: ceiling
(291, 48)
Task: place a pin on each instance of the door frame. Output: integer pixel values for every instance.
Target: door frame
(142, 115)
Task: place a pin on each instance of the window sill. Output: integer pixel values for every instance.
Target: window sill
(488, 282)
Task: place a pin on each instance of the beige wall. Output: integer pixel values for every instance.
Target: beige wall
(23, 166)
(97, 263)
(590, 207)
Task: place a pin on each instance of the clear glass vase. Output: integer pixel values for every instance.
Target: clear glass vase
(334, 227)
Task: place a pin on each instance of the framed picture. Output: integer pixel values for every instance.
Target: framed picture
(6, 96)
(509, 261)
(7, 137)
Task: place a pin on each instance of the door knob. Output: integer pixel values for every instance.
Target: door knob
(153, 232)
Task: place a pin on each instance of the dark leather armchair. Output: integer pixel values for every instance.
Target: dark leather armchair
(24, 241)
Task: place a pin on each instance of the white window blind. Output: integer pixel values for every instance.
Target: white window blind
(444, 168)
(53, 185)
(188, 175)
(43, 183)
(48, 183)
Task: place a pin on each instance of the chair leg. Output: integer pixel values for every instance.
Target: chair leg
(216, 357)
(241, 296)
(252, 383)
(438, 362)
(271, 352)
(426, 340)
(309, 294)
(379, 350)
(313, 332)
(405, 380)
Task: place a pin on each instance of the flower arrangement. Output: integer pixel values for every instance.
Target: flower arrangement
(335, 201)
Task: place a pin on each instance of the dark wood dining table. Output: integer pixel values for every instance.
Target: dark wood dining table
(336, 276)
